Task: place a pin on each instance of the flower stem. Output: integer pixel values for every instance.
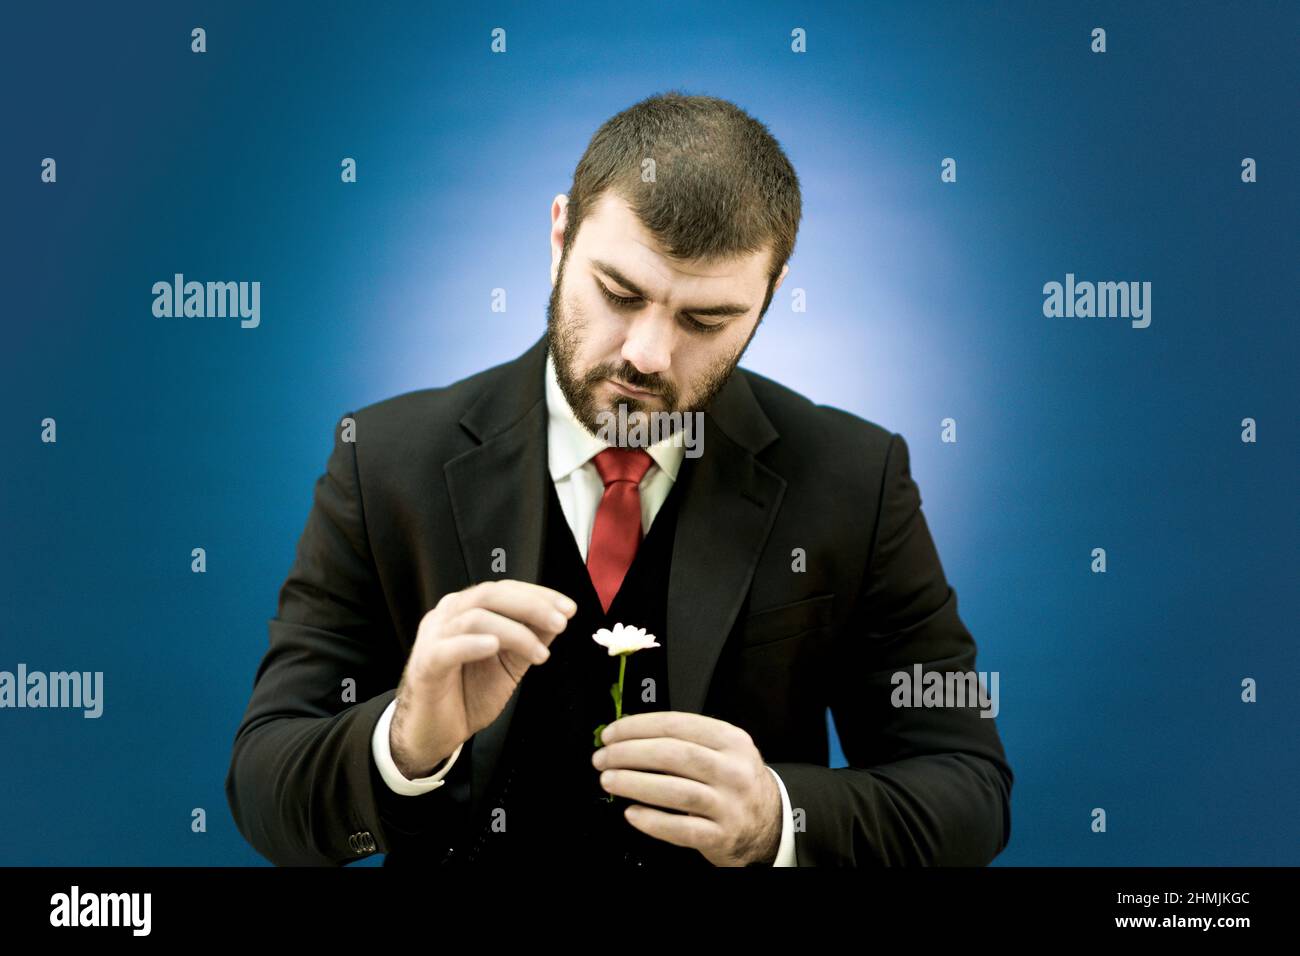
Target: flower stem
(618, 704)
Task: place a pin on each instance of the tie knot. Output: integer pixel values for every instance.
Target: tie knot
(623, 464)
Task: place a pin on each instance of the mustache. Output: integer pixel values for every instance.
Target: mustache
(629, 377)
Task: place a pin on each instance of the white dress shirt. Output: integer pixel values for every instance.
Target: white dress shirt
(570, 449)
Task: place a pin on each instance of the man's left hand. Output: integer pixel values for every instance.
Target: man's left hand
(706, 768)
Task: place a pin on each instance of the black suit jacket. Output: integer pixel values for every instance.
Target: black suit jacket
(803, 577)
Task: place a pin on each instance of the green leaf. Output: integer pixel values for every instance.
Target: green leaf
(599, 742)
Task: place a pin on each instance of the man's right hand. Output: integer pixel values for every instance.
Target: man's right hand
(470, 652)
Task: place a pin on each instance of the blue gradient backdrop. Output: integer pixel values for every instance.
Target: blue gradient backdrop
(924, 301)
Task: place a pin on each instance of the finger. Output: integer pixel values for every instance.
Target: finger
(678, 829)
(541, 608)
(681, 758)
(705, 731)
(522, 593)
(514, 636)
(664, 790)
(461, 649)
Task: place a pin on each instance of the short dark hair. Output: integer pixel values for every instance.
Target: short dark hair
(723, 186)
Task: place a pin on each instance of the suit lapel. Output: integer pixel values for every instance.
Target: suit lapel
(498, 499)
(727, 512)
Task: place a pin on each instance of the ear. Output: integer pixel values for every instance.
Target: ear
(781, 278)
(559, 219)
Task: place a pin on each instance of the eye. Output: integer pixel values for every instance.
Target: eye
(699, 326)
(621, 301)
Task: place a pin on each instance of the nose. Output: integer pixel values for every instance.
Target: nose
(648, 345)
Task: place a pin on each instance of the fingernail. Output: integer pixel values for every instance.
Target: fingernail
(559, 622)
(543, 654)
(565, 605)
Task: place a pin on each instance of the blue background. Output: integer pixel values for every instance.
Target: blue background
(1118, 690)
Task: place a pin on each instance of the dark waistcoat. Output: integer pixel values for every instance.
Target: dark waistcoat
(547, 807)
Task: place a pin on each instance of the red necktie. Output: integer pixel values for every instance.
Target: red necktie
(617, 531)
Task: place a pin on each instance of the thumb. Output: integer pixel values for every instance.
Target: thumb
(467, 648)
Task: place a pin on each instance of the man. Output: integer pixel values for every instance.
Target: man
(432, 689)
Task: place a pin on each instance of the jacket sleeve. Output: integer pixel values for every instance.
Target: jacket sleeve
(924, 785)
(303, 786)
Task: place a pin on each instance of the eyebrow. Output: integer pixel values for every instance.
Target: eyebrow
(725, 309)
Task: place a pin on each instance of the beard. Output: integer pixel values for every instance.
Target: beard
(564, 330)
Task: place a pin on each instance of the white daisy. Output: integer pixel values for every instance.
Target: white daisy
(624, 639)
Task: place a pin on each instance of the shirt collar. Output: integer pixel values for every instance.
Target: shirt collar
(570, 445)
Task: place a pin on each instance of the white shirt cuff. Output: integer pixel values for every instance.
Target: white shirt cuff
(785, 855)
(388, 769)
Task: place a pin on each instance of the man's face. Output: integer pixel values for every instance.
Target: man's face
(674, 341)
